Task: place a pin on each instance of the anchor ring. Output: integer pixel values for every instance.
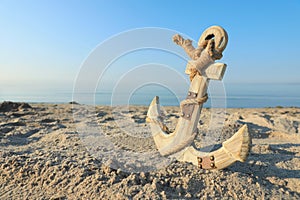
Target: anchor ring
(218, 33)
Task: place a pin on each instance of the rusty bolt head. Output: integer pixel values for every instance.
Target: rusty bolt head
(212, 158)
(199, 159)
(212, 164)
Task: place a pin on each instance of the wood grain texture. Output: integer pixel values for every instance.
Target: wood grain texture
(234, 149)
(186, 130)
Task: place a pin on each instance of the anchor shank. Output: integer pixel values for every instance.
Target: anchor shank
(198, 90)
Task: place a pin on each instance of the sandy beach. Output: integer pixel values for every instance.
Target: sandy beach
(43, 156)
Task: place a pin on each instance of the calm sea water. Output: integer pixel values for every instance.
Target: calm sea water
(237, 96)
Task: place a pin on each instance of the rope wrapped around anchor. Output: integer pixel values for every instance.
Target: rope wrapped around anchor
(194, 101)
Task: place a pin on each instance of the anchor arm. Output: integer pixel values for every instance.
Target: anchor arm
(234, 149)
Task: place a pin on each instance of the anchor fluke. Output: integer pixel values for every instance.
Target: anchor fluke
(234, 149)
(154, 109)
(239, 144)
(155, 119)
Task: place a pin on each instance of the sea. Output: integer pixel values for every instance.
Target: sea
(234, 96)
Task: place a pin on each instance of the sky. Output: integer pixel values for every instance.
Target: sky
(43, 44)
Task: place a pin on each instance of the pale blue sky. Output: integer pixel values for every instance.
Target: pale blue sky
(43, 43)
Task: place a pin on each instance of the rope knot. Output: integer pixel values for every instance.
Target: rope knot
(197, 101)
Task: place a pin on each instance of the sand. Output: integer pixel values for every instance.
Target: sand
(45, 154)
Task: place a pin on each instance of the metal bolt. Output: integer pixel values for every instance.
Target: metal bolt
(200, 166)
(194, 95)
(188, 115)
(199, 159)
(189, 93)
(212, 164)
(212, 157)
(182, 114)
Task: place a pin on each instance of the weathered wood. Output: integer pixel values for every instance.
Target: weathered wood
(215, 72)
(216, 32)
(179, 143)
(234, 149)
(186, 129)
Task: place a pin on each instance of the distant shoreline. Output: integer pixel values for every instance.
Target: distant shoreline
(140, 105)
(233, 96)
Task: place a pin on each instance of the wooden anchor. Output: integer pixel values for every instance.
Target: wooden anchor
(180, 143)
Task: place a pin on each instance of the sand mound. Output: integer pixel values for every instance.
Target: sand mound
(8, 106)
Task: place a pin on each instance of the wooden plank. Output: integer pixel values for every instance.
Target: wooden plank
(215, 71)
